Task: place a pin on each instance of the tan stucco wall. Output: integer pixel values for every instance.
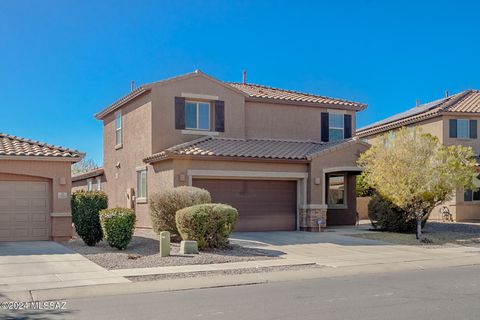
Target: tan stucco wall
(346, 157)
(163, 111)
(136, 145)
(148, 126)
(282, 121)
(51, 170)
(474, 143)
(58, 173)
(434, 126)
(82, 184)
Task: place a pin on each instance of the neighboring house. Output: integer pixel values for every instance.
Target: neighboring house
(454, 120)
(286, 160)
(92, 180)
(35, 190)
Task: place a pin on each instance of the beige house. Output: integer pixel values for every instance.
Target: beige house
(454, 120)
(286, 160)
(35, 190)
(93, 180)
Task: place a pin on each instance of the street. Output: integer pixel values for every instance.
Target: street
(449, 293)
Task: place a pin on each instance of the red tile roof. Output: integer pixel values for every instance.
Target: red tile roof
(12, 146)
(252, 91)
(265, 92)
(467, 101)
(249, 148)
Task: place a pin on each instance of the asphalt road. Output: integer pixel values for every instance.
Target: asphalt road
(451, 293)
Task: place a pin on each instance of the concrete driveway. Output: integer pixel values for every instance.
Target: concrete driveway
(47, 264)
(335, 248)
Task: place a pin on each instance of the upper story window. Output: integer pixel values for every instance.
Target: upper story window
(463, 128)
(197, 115)
(200, 117)
(118, 128)
(336, 127)
(89, 185)
(99, 183)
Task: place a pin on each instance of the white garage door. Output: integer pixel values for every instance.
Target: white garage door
(24, 210)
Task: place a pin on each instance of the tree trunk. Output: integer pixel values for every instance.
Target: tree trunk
(419, 225)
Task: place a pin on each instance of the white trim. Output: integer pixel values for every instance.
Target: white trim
(90, 182)
(42, 158)
(331, 170)
(140, 168)
(197, 104)
(315, 206)
(246, 174)
(200, 132)
(199, 96)
(118, 144)
(141, 200)
(340, 169)
(60, 214)
(345, 191)
(300, 177)
(468, 130)
(336, 111)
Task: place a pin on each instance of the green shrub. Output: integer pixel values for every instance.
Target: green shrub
(385, 216)
(208, 224)
(85, 209)
(165, 204)
(363, 189)
(118, 225)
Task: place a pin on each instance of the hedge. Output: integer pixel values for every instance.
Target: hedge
(208, 224)
(85, 215)
(118, 225)
(165, 204)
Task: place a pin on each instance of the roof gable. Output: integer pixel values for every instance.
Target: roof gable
(251, 91)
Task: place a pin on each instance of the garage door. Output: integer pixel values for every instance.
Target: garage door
(24, 210)
(263, 205)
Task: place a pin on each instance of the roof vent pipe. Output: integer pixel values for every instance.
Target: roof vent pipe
(244, 76)
(133, 85)
(446, 93)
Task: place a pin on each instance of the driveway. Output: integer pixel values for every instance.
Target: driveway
(335, 248)
(47, 264)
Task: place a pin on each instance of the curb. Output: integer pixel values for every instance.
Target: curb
(228, 280)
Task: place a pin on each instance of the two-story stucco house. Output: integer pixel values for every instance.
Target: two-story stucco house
(454, 120)
(286, 160)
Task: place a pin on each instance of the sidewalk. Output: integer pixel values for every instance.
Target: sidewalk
(334, 252)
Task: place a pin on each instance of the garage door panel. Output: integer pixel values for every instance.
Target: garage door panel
(263, 205)
(24, 210)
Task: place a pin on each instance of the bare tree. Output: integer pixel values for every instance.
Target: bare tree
(84, 165)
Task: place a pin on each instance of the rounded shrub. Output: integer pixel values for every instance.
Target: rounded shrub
(118, 225)
(85, 215)
(385, 216)
(208, 224)
(165, 204)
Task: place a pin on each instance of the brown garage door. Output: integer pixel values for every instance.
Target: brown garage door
(263, 205)
(24, 210)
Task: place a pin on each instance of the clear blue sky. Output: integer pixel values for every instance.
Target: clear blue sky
(62, 61)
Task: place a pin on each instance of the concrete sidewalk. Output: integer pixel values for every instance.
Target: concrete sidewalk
(47, 264)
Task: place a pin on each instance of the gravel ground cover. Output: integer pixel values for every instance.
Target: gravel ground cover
(223, 272)
(142, 252)
(436, 233)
